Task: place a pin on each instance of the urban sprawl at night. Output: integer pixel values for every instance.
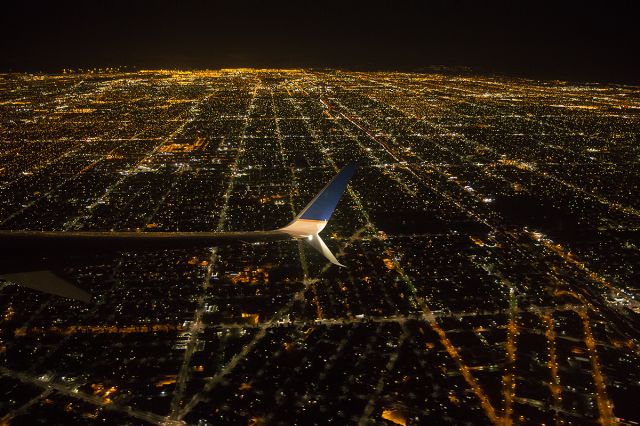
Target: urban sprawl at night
(491, 238)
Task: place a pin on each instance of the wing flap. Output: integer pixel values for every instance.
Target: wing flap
(48, 282)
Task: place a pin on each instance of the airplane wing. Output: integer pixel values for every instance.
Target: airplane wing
(16, 246)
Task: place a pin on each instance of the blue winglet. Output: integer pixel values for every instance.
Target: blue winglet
(323, 204)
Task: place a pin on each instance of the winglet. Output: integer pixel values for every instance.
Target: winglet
(316, 242)
(323, 204)
(314, 217)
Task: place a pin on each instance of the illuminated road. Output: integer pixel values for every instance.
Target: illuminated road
(197, 326)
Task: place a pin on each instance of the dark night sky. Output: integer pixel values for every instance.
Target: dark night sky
(574, 40)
